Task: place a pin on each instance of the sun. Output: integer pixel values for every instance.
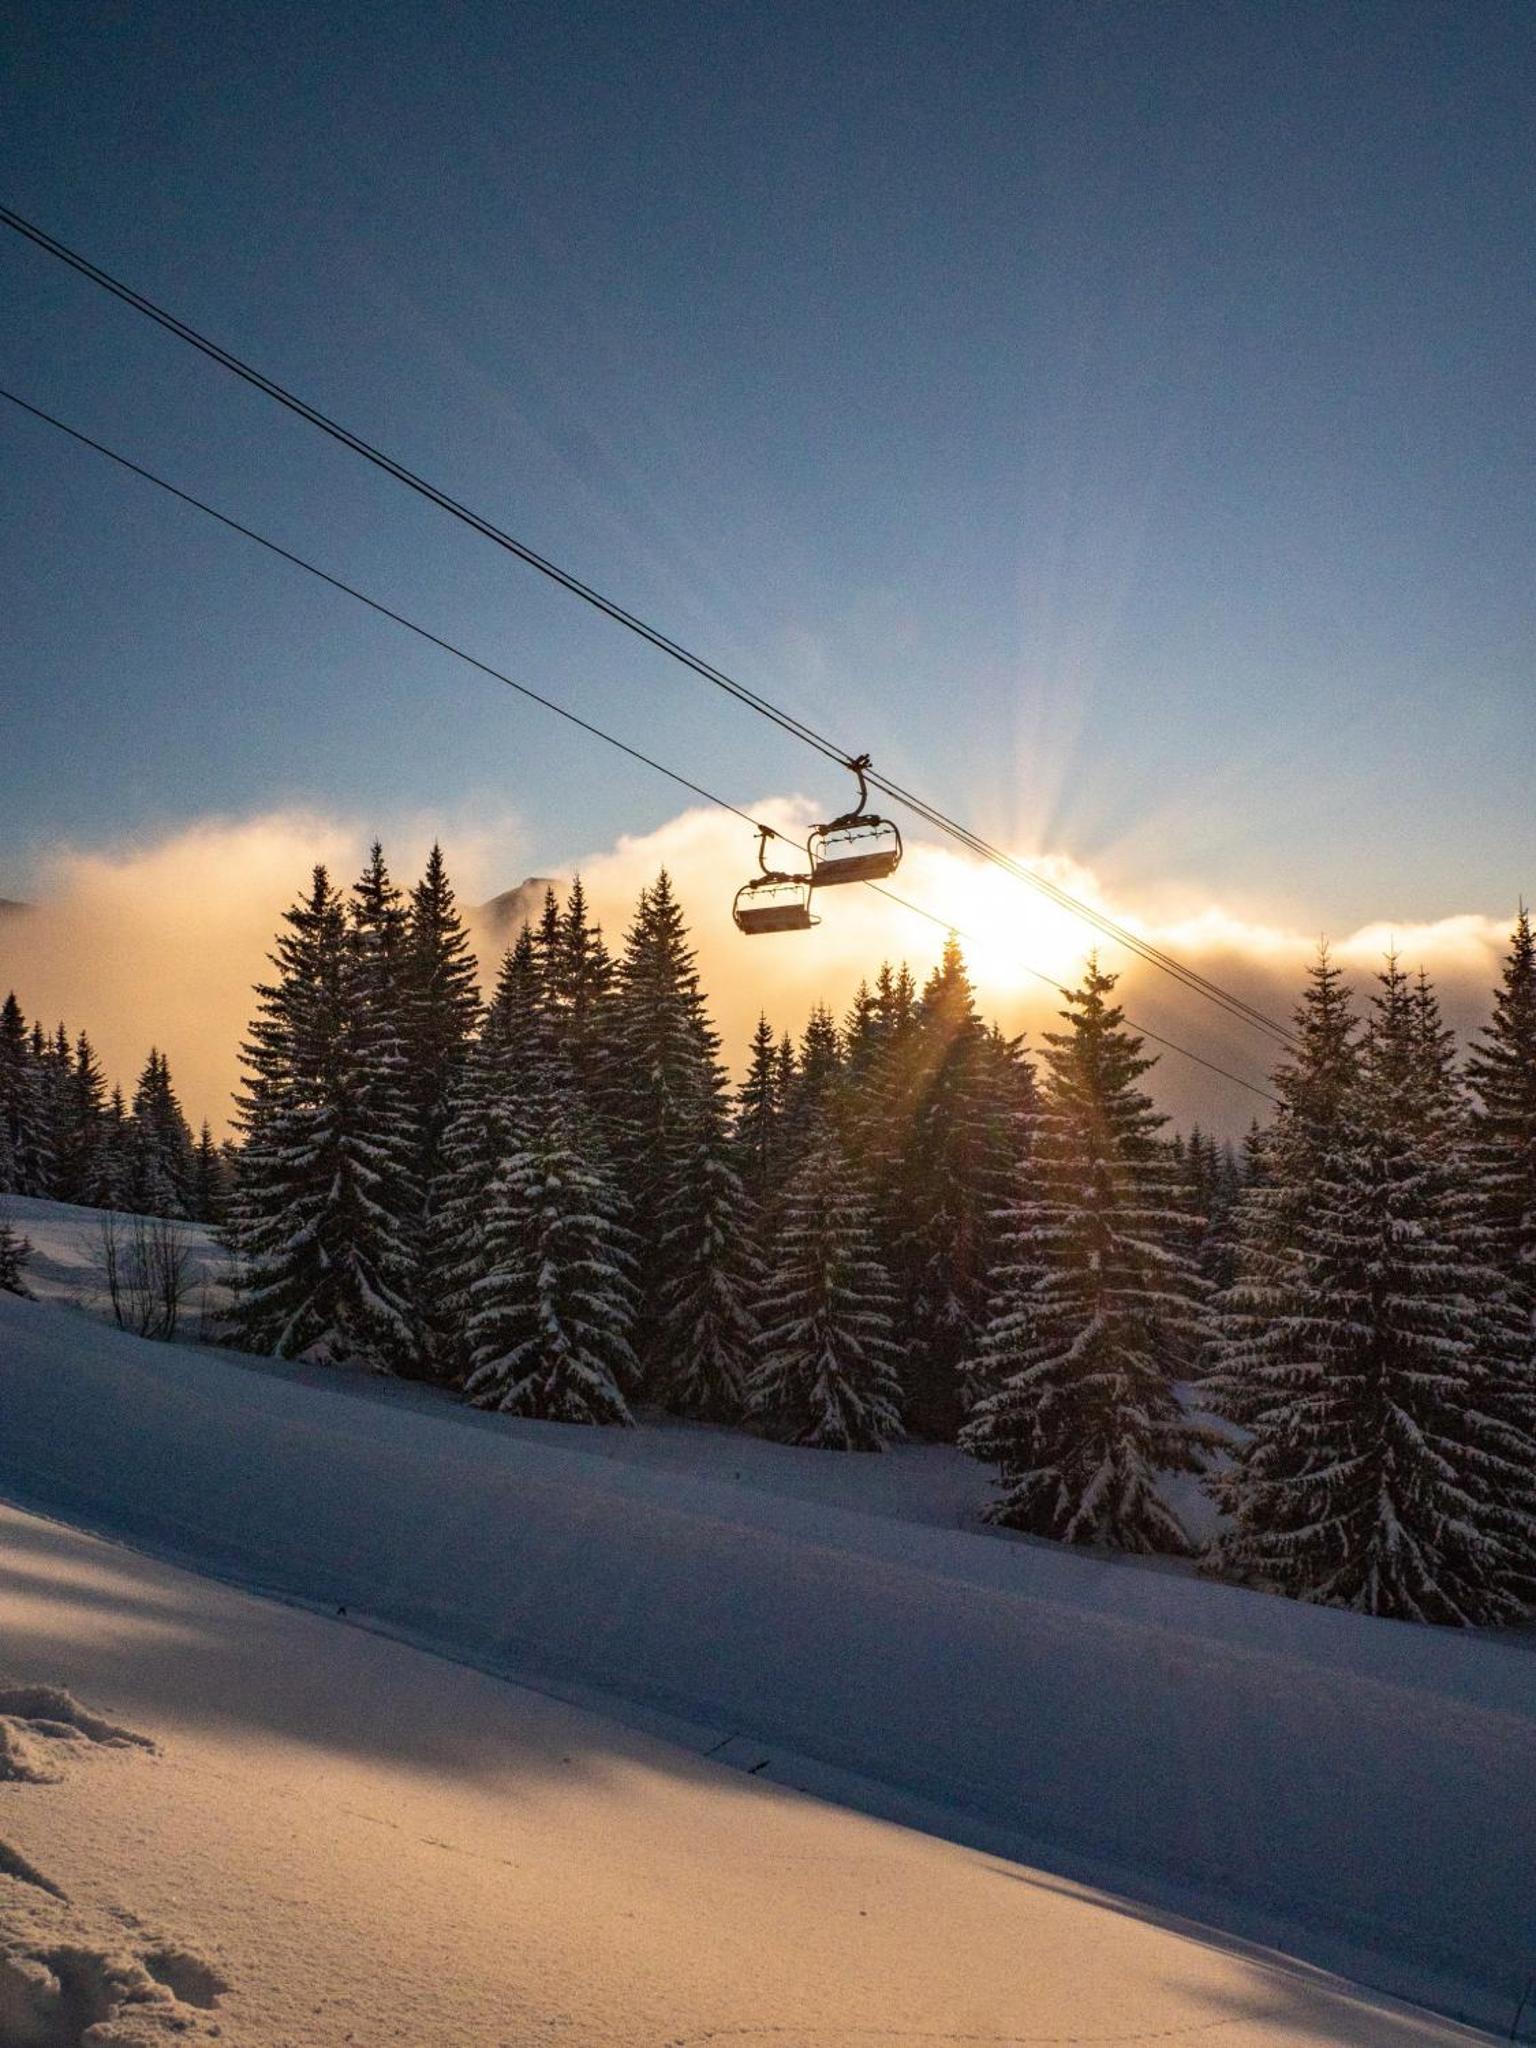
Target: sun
(1010, 934)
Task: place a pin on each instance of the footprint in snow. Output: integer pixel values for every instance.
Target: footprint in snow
(67, 1978)
(68, 1975)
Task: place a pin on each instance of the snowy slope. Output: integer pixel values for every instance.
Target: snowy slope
(66, 1261)
(1359, 1793)
(338, 1839)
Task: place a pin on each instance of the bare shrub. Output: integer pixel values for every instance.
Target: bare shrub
(147, 1272)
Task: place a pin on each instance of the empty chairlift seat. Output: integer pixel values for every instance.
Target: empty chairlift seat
(772, 901)
(858, 846)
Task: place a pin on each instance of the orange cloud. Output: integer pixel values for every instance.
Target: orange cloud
(161, 942)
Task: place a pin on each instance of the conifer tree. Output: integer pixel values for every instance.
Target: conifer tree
(670, 1140)
(582, 988)
(15, 1094)
(759, 1122)
(1094, 1303)
(379, 1139)
(315, 1223)
(48, 1079)
(785, 1057)
(704, 1346)
(962, 1141)
(83, 1108)
(160, 1144)
(878, 1101)
(15, 1250)
(112, 1167)
(28, 1145)
(1502, 1073)
(1372, 1474)
(207, 1205)
(483, 1121)
(441, 1005)
(553, 1307)
(814, 1096)
(826, 1374)
(1315, 1087)
(860, 1034)
(1226, 1177)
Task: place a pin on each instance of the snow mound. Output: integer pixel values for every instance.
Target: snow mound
(37, 1722)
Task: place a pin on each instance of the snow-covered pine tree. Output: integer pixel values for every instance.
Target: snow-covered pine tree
(441, 1007)
(553, 1305)
(1226, 1175)
(1315, 1088)
(759, 1121)
(785, 1056)
(54, 1060)
(582, 989)
(1371, 1474)
(860, 1033)
(1094, 1303)
(278, 1223)
(321, 1261)
(878, 1096)
(24, 1143)
(495, 1081)
(1502, 1072)
(160, 1144)
(15, 1250)
(826, 1374)
(441, 1010)
(704, 1345)
(379, 1136)
(207, 1204)
(815, 1096)
(111, 1182)
(668, 1126)
(17, 1102)
(962, 1142)
(82, 1110)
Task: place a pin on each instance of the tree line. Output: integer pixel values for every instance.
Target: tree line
(66, 1137)
(557, 1205)
(554, 1202)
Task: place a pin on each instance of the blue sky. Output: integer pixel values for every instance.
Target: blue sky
(1116, 417)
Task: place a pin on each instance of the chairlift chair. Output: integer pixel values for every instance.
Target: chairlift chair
(858, 846)
(773, 901)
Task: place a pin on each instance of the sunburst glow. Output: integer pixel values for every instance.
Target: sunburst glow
(1011, 935)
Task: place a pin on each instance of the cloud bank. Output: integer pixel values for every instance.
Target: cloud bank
(160, 942)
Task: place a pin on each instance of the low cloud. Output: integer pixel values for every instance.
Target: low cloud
(160, 942)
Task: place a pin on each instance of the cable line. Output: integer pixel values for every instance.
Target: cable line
(1190, 978)
(374, 604)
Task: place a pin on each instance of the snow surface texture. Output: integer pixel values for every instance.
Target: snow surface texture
(338, 1839)
(70, 1973)
(1360, 1793)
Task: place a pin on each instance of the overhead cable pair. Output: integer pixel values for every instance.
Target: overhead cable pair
(1225, 999)
(766, 832)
